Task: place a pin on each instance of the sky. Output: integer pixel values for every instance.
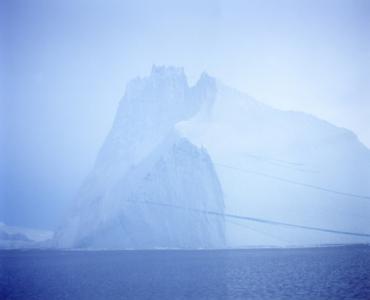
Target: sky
(64, 66)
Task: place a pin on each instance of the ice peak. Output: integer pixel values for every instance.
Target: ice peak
(205, 82)
(167, 71)
(205, 77)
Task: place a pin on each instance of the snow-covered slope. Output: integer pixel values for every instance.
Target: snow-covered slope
(175, 152)
(146, 178)
(283, 166)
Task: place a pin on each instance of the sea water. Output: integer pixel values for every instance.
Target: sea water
(305, 273)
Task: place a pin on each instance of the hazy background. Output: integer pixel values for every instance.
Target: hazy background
(64, 66)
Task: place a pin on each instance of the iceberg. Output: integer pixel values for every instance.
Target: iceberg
(180, 160)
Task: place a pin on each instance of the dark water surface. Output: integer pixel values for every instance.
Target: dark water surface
(311, 273)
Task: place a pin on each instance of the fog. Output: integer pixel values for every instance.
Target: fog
(64, 66)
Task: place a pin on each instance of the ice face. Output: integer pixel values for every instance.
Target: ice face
(142, 162)
(149, 206)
